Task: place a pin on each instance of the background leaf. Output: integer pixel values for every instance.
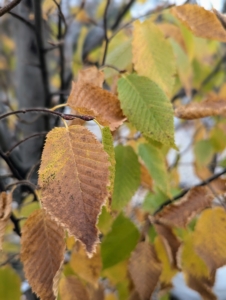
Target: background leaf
(9, 284)
(71, 288)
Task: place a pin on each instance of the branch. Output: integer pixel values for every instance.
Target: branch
(16, 223)
(13, 169)
(185, 191)
(18, 17)
(122, 14)
(8, 7)
(47, 111)
(22, 182)
(105, 32)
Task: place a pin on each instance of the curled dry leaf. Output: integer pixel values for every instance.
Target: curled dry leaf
(181, 212)
(89, 98)
(212, 106)
(5, 210)
(144, 269)
(42, 253)
(203, 23)
(71, 288)
(74, 177)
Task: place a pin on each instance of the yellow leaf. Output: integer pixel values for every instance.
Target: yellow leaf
(117, 273)
(42, 253)
(74, 176)
(158, 62)
(144, 269)
(87, 268)
(5, 211)
(209, 237)
(172, 31)
(201, 22)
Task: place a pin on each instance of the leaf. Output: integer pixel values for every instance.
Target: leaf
(147, 108)
(201, 22)
(107, 141)
(181, 212)
(144, 269)
(124, 236)
(9, 284)
(146, 180)
(91, 75)
(5, 211)
(74, 178)
(87, 268)
(117, 273)
(168, 271)
(127, 176)
(214, 105)
(88, 98)
(172, 31)
(209, 238)
(71, 288)
(105, 220)
(96, 293)
(155, 163)
(42, 253)
(158, 62)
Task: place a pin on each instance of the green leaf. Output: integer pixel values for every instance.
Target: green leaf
(155, 163)
(127, 176)
(153, 201)
(203, 152)
(104, 221)
(120, 58)
(107, 141)
(153, 55)
(119, 242)
(147, 108)
(9, 284)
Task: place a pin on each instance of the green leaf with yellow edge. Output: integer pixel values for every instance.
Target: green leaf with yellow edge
(153, 56)
(116, 273)
(168, 272)
(155, 163)
(189, 261)
(209, 237)
(107, 141)
(9, 284)
(119, 242)
(104, 221)
(127, 176)
(147, 107)
(203, 151)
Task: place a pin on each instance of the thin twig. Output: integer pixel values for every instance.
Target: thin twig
(105, 32)
(24, 140)
(122, 14)
(32, 170)
(11, 257)
(47, 111)
(16, 223)
(21, 182)
(14, 170)
(8, 7)
(185, 191)
(112, 67)
(18, 17)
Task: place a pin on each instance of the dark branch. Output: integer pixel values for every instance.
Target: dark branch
(22, 182)
(16, 223)
(8, 7)
(185, 191)
(47, 111)
(13, 169)
(122, 14)
(105, 32)
(18, 17)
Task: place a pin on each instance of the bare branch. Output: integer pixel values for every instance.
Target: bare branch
(8, 7)
(105, 32)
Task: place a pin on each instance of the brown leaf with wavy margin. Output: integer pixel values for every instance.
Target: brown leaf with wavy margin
(209, 238)
(91, 99)
(179, 213)
(202, 286)
(42, 253)
(71, 288)
(91, 75)
(74, 177)
(145, 269)
(203, 23)
(214, 105)
(5, 210)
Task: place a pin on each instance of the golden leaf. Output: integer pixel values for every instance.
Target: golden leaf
(42, 253)
(214, 105)
(209, 238)
(144, 269)
(90, 98)
(201, 22)
(87, 268)
(172, 31)
(5, 210)
(72, 289)
(74, 176)
(181, 212)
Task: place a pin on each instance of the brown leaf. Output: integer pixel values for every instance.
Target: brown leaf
(221, 17)
(212, 106)
(201, 286)
(91, 75)
(42, 253)
(144, 269)
(90, 99)
(181, 212)
(96, 293)
(74, 176)
(209, 238)
(87, 268)
(146, 180)
(170, 241)
(71, 288)
(5, 210)
(203, 23)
